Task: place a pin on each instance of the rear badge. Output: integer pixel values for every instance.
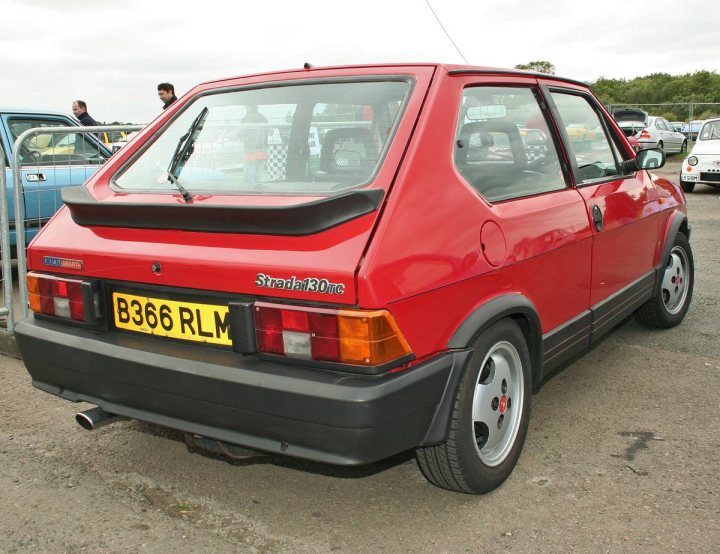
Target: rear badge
(309, 284)
(62, 262)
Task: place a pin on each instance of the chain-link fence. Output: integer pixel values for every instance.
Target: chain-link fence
(676, 111)
(43, 161)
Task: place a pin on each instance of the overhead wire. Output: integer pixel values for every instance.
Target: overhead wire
(445, 31)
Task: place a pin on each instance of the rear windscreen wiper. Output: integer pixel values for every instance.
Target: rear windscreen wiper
(183, 151)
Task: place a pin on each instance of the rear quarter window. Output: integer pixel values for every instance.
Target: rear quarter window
(503, 145)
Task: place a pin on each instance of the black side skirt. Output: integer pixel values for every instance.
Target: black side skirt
(571, 338)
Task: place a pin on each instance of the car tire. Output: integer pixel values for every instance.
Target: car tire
(687, 186)
(660, 144)
(671, 301)
(489, 418)
(683, 147)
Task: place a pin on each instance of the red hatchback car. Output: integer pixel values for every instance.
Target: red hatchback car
(345, 263)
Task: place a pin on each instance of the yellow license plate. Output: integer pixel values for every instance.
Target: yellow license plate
(169, 318)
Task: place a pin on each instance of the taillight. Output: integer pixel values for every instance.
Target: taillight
(644, 135)
(357, 337)
(74, 299)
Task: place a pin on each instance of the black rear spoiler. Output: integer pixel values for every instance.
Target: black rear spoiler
(295, 220)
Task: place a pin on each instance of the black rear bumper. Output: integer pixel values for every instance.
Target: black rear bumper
(311, 413)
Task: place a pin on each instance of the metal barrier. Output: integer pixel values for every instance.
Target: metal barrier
(52, 161)
(7, 310)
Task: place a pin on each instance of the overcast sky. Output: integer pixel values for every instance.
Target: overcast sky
(112, 53)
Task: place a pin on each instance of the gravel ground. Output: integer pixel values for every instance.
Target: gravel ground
(622, 456)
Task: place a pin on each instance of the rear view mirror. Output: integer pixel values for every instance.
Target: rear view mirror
(652, 158)
(481, 113)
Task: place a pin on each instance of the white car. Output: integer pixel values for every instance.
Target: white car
(118, 144)
(703, 163)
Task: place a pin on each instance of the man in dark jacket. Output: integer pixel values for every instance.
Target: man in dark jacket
(79, 108)
(166, 92)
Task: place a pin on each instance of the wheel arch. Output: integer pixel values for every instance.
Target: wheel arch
(514, 306)
(677, 223)
(509, 306)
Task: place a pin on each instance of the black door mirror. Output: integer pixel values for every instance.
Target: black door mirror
(652, 158)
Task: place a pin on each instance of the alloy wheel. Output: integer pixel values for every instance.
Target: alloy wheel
(498, 403)
(674, 283)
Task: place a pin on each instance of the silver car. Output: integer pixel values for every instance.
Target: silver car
(650, 131)
(660, 133)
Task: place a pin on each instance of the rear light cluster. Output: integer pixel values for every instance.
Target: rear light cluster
(73, 299)
(644, 135)
(358, 337)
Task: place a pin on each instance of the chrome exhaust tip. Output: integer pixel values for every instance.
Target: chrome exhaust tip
(94, 418)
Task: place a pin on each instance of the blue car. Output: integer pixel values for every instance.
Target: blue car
(691, 130)
(48, 162)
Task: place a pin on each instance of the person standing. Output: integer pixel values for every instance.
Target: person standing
(79, 109)
(166, 92)
(255, 142)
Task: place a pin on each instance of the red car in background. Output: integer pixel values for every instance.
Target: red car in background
(406, 285)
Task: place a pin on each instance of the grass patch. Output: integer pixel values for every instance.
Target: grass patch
(183, 506)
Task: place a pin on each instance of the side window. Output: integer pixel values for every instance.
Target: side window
(596, 157)
(6, 152)
(503, 145)
(660, 124)
(54, 149)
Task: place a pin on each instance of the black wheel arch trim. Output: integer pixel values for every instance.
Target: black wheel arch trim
(440, 425)
(515, 306)
(679, 224)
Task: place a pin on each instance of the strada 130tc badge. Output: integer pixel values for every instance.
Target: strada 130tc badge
(309, 284)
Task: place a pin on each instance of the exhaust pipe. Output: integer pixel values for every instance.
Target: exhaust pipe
(94, 418)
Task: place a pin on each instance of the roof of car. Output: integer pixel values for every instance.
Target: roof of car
(452, 69)
(31, 111)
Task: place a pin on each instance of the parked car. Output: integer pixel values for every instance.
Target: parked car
(678, 125)
(582, 131)
(690, 130)
(703, 163)
(660, 134)
(49, 163)
(634, 143)
(407, 292)
(650, 131)
(111, 137)
(631, 120)
(122, 141)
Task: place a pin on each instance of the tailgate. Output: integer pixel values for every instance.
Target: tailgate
(319, 267)
(263, 189)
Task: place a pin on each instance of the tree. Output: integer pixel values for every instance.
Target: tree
(540, 66)
(671, 95)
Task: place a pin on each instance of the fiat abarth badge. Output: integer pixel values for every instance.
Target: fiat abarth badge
(62, 262)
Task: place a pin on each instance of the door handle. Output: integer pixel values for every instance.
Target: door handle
(597, 217)
(35, 177)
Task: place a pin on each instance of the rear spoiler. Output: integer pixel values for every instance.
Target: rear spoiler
(295, 220)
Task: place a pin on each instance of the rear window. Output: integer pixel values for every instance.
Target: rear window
(309, 139)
